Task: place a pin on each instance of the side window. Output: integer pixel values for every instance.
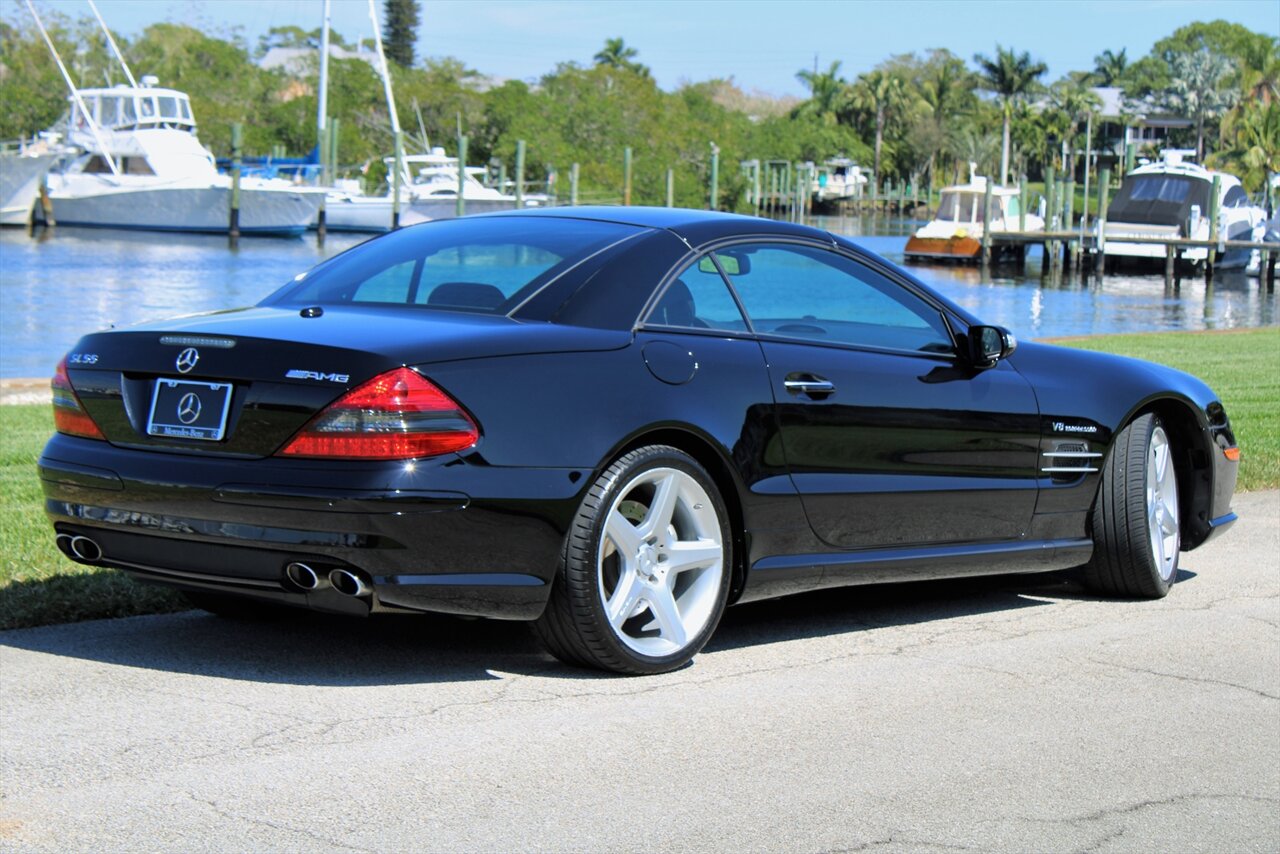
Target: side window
(818, 295)
(1235, 198)
(391, 285)
(698, 298)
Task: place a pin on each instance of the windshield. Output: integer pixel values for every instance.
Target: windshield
(489, 264)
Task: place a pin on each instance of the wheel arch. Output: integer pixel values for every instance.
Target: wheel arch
(705, 451)
(1183, 421)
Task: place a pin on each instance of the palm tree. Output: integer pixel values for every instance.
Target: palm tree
(1197, 91)
(880, 94)
(616, 54)
(1109, 67)
(1012, 77)
(1251, 143)
(943, 92)
(826, 89)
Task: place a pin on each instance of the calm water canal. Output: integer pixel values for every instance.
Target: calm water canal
(56, 286)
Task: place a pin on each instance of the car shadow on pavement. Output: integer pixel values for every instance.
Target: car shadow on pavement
(303, 648)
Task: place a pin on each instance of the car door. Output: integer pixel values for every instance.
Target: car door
(891, 438)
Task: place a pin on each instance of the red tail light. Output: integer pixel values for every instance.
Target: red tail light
(394, 416)
(68, 414)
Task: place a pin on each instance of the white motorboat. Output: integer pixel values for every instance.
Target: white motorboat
(21, 170)
(429, 190)
(956, 230)
(142, 166)
(839, 179)
(1172, 198)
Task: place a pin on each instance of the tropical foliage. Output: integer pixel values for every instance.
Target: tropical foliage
(921, 118)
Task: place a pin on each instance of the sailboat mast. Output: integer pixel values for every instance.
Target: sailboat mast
(395, 119)
(75, 93)
(323, 108)
(114, 48)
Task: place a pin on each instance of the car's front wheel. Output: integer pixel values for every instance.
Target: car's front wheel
(646, 567)
(1136, 522)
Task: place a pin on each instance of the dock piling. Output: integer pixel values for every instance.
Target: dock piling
(233, 227)
(519, 174)
(671, 188)
(1100, 247)
(573, 184)
(626, 176)
(460, 205)
(986, 226)
(715, 177)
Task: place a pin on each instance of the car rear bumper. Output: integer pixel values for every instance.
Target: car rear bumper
(443, 535)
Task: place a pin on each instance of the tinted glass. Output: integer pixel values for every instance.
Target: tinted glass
(488, 265)
(698, 299)
(818, 295)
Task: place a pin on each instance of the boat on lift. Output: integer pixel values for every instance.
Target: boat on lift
(141, 166)
(955, 232)
(1173, 198)
(838, 180)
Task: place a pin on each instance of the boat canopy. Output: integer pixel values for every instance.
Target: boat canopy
(966, 206)
(1159, 199)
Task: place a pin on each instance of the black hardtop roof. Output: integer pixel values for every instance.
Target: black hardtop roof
(697, 226)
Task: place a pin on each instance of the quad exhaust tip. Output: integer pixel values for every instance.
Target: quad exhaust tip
(81, 548)
(302, 576)
(347, 582)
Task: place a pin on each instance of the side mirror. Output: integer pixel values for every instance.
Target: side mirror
(990, 344)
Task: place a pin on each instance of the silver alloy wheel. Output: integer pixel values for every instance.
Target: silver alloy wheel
(1162, 505)
(660, 562)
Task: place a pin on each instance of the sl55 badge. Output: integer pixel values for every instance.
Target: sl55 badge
(319, 377)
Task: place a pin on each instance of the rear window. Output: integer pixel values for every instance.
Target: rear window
(489, 265)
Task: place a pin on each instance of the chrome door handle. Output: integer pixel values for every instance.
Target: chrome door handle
(813, 385)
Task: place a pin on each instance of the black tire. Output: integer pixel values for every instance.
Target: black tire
(576, 626)
(1128, 516)
(234, 607)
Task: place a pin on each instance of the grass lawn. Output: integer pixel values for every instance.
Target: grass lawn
(38, 586)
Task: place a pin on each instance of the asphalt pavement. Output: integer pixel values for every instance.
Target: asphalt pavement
(1008, 714)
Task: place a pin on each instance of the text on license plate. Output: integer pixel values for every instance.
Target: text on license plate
(186, 409)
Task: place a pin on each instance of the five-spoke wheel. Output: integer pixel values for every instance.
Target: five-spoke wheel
(646, 567)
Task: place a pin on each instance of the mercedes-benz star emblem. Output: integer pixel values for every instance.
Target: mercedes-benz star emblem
(189, 408)
(187, 359)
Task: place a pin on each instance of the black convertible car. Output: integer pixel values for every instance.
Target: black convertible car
(615, 422)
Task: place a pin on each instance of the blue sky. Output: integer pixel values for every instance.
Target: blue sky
(760, 43)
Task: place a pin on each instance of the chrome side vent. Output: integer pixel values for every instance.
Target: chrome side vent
(1069, 459)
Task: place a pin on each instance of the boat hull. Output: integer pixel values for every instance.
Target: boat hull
(955, 248)
(188, 209)
(20, 184)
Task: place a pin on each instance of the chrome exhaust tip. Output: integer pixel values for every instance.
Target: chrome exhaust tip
(86, 549)
(348, 583)
(302, 576)
(63, 542)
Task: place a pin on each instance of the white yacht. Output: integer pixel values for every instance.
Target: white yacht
(142, 166)
(21, 169)
(956, 230)
(839, 179)
(429, 190)
(1172, 198)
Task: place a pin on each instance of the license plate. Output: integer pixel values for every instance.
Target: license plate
(185, 409)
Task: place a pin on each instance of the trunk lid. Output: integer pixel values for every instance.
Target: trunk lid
(273, 369)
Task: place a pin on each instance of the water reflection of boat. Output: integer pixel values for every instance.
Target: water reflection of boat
(20, 172)
(1172, 198)
(141, 166)
(956, 231)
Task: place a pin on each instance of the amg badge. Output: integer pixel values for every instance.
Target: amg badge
(312, 375)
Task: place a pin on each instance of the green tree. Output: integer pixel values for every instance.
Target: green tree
(402, 30)
(1199, 90)
(1251, 143)
(827, 91)
(1109, 68)
(879, 94)
(1013, 77)
(618, 55)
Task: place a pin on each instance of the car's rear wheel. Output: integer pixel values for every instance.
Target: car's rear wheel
(1135, 518)
(645, 572)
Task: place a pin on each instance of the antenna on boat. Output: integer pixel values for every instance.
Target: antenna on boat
(75, 93)
(111, 41)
